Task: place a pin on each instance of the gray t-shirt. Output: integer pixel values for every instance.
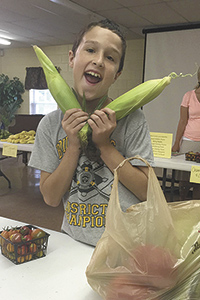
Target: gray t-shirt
(86, 203)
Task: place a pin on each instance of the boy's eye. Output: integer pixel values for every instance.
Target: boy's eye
(90, 50)
(110, 58)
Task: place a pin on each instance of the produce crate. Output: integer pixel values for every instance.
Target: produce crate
(24, 251)
(192, 156)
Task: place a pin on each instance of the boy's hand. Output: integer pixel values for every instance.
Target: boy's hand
(102, 122)
(74, 119)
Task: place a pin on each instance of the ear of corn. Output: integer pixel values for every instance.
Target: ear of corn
(138, 96)
(61, 92)
(123, 105)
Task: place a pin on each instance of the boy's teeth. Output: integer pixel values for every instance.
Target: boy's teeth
(94, 74)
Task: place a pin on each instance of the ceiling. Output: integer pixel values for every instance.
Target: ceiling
(56, 22)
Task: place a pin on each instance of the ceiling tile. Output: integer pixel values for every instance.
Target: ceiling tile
(125, 17)
(96, 5)
(189, 9)
(133, 3)
(158, 14)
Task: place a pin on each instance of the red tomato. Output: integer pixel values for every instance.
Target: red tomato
(5, 235)
(12, 231)
(20, 259)
(11, 255)
(26, 238)
(21, 250)
(16, 238)
(25, 230)
(33, 248)
(10, 247)
(28, 257)
(37, 233)
(40, 253)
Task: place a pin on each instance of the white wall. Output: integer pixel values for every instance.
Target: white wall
(166, 52)
(15, 61)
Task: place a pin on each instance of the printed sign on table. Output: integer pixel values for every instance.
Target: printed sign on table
(9, 150)
(195, 174)
(161, 144)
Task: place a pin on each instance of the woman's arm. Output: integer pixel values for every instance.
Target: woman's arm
(184, 115)
(54, 185)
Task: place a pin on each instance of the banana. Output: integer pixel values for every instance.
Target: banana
(23, 137)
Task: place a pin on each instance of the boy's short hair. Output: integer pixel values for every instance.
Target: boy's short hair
(108, 24)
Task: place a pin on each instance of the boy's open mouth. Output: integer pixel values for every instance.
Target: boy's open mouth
(92, 77)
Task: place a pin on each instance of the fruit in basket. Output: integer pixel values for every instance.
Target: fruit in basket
(28, 257)
(20, 259)
(21, 250)
(20, 247)
(38, 233)
(40, 253)
(32, 248)
(10, 247)
(16, 238)
(5, 235)
(25, 230)
(12, 231)
(26, 238)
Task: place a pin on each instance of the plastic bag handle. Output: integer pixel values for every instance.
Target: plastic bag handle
(131, 158)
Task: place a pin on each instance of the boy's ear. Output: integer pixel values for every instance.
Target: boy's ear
(71, 58)
(117, 75)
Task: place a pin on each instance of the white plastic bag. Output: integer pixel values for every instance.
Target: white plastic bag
(152, 251)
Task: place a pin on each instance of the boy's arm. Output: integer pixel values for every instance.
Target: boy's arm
(134, 178)
(54, 185)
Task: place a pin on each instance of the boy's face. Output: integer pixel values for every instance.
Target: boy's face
(96, 63)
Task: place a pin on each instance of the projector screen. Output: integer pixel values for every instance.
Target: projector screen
(170, 50)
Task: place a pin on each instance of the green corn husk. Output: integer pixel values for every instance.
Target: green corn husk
(123, 105)
(59, 89)
(138, 96)
(141, 95)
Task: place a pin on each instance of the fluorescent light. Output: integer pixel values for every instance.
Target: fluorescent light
(4, 42)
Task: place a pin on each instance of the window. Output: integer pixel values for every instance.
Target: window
(41, 102)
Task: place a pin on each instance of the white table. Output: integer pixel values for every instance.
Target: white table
(20, 147)
(175, 163)
(23, 149)
(57, 276)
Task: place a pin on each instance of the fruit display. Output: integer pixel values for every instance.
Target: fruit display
(22, 244)
(24, 137)
(193, 156)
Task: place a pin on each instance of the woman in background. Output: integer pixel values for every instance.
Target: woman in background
(188, 136)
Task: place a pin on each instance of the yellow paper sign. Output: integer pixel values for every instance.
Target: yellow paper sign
(161, 144)
(9, 150)
(195, 174)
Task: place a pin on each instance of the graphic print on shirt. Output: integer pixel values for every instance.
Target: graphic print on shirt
(91, 182)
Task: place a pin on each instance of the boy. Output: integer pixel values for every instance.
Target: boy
(83, 185)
